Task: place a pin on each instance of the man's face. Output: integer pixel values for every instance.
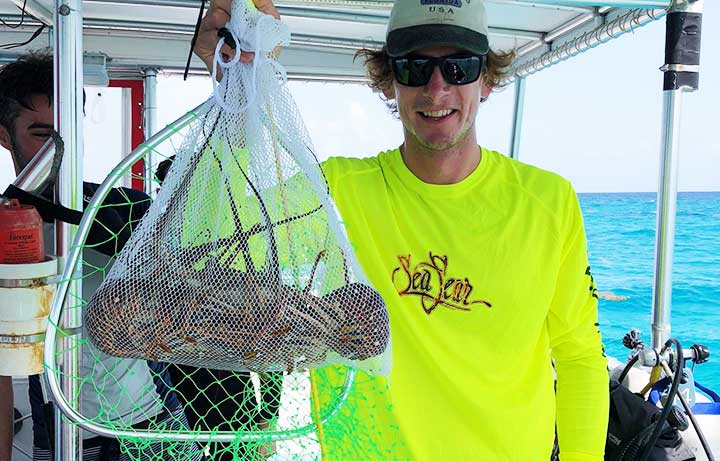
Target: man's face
(437, 115)
(32, 129)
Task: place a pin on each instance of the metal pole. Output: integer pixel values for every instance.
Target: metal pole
(682, 68)
(627, 22)
(518, 109)
(150, 124)
(665, 225)
(68, 122)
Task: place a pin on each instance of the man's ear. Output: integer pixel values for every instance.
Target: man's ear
(5, 139)
(485, 91)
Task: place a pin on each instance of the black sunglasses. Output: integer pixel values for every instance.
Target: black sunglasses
(457, 69)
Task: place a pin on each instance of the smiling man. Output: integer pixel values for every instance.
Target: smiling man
(481, 259)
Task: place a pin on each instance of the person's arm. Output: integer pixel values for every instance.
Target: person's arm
(7, 418)
(580, 363)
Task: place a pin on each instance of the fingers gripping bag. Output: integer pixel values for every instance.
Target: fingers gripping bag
(242, 262)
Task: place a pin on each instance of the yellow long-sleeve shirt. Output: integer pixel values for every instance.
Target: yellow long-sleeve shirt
(485, 280)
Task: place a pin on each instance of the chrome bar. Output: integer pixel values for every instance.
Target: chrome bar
(608, 31)
(36, 9)
(38, 169)
(518, 109)
(569, 26)
(574, 23)
(665, 224)
(149, 124)
(378, 5)
(93, 24)
(515, 33)
(68, 81)
(317, 13)
(577, 9)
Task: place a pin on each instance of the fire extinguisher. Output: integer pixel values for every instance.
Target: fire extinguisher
(21, 234)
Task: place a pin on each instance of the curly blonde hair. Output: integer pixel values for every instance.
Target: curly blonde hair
(380, 76)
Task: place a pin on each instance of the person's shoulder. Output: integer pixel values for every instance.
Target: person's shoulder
(116, 196)
(542, 184)
(536, 187)
(352, 165)
(355, 170)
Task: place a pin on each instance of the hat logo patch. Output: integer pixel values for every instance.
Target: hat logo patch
(453, 3)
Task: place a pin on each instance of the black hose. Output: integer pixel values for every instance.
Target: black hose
(670, 397)
(628, 367)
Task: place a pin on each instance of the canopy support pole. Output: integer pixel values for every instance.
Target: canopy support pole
(149, 124)
(68, 104)
(518, 109)
(681, 74)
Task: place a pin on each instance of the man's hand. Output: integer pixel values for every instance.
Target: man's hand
(216, 18)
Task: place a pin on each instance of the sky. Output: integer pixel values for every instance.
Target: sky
(595, 119)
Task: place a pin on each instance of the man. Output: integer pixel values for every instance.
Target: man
(132, 392)
(481, 260)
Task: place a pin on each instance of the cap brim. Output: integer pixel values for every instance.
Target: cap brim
(407, 40)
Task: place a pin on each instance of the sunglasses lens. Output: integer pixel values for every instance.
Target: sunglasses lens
(461, 71)
(412, 72)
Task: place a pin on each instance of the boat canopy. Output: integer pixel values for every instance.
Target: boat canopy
(129, 36)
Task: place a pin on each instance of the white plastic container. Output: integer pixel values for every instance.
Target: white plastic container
(26, 293)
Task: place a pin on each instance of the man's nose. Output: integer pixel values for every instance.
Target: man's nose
(437, 84)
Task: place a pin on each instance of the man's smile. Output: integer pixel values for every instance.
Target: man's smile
(437, 115)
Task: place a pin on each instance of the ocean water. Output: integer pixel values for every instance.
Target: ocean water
(621, 240)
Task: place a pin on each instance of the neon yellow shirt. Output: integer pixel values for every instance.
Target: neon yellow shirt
(484, 281)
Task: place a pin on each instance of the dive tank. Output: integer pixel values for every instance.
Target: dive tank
(27, 286)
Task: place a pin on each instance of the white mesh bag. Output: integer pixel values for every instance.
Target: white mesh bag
(242, 262)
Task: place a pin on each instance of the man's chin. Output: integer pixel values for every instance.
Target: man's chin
(439, 145)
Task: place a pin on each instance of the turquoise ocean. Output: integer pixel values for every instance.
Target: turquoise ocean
(620, 229)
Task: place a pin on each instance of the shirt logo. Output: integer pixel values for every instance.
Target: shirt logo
(429, 281)
(592, 288)
(455, 3)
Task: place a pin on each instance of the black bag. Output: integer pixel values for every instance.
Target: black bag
(631, 424)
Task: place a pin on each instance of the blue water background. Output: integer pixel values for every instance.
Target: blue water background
(621, 240)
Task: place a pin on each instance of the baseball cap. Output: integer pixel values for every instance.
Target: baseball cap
(417, 24)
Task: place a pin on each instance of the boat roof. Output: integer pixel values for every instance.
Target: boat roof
(135, 34)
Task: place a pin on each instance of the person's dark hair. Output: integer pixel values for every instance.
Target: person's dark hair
(163, 169)
(31, 74)
(377, 65)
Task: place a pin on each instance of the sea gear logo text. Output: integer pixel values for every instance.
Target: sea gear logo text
(429, 280)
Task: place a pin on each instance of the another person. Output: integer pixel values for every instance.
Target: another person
(134, 391)
(481, 259)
